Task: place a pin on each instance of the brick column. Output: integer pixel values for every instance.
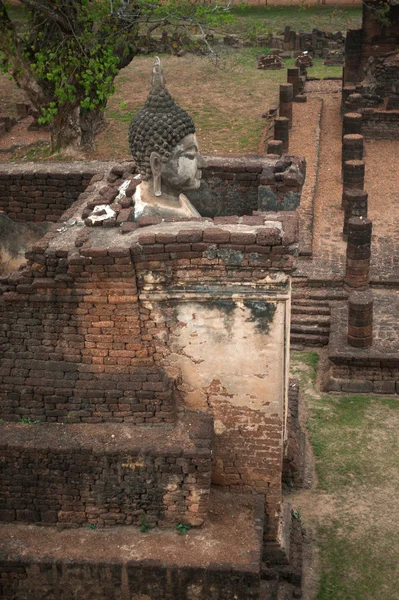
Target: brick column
(286, 96)
(358, 252)
(281, 131)
(347, 90)
(293, 77)
(274, 147)
(360, 319)
(353, 174)
(352, 147)
(354, 203)
(354, 102)
(352, 123)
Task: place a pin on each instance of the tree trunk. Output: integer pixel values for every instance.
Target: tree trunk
(91, 123)
(74, 129)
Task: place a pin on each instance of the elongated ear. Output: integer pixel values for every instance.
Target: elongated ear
(156, 169)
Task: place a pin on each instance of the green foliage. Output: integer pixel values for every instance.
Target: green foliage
(92, 526)
(144, 525)
(183, 528)
(28, 420)
(74, 50)
(296, 513)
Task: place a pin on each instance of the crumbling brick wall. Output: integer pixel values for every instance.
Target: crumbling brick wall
(38, 193)
(236, 185)
(74, 475)
(375, 39)
(84, 340)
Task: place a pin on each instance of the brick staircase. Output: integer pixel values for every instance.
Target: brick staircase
(310, 315)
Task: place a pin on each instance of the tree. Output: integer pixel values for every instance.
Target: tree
(65, 54)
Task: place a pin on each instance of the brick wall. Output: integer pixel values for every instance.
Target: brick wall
(78, 344)
(235, 185)
(360, 375)
(294, 457)
(374, 39)
(71, 342)
(31, 192)
(227, 253)
(140, 578)
(380, 125)
(74, 475)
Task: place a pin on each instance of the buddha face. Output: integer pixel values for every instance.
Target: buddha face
(182, 171)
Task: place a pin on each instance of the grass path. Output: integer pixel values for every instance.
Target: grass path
(352, 509)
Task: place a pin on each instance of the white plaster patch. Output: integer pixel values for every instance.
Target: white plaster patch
(226, 353)
(122, 190)
(275, 224)
(102, 212)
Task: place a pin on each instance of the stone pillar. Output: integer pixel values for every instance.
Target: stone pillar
(274, 147)
(352, 123)
(352, 147)
(293, 77)
(360, 319)
(281, 131)
(358, 252)
(286, 97)
(353, 174)
(354, 203)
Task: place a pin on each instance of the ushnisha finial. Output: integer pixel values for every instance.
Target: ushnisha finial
(158, 80)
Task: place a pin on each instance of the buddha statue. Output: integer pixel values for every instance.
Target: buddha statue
(163, 143)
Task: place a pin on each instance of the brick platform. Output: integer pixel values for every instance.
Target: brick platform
(223, 557)
(369, 370)
(104, 475)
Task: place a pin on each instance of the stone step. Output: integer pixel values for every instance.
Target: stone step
(319, 294)
(298, 340)
(310, 309)
(313, 328)
(311, 319)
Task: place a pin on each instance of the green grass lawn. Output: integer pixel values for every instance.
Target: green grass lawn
(355, 505)
(226, 102)
(265, 19)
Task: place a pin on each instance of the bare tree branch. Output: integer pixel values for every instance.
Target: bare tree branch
(51, 12)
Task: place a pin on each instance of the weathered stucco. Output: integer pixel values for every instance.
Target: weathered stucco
(229, 342)
(226, 348)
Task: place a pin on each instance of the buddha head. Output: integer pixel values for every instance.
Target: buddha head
(163, 142)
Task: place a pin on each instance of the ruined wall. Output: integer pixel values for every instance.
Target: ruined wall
(138, 323)
(32, 192)
(84, 334)
(375, 39)
(102, 475)
(71, 341)
(380, 124)
(140, 579)
(362, 375)
(238, 185)
(294, 458)
(370, 369)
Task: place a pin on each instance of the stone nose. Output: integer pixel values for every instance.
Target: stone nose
(201, 162)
